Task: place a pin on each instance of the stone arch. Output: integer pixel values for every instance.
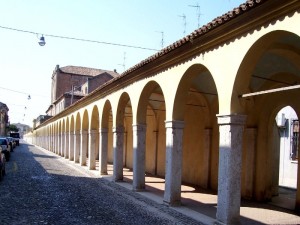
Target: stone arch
(196, 103)
(59, 137)
(72, 137)
(77, 137)
(106, 115)
(78, 122)
(269, 64)
(67, 138)
(95, 118)
(124, 118)
(196, 80)
(63, 133)
(151, 112)
(84, 138)
(106, 151)
(93, 145)
(124, 102)
(85, 120)
(263, 56)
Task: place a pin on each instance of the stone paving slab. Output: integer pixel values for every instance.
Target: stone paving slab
(198, 205)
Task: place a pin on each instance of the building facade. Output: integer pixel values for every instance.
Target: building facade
(200, 111)
(4, 121)
(71, 83)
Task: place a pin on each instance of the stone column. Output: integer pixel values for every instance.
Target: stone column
(139, 147)
(103, 150)
(67, 135)
(92, 149)
(231, 129)
(76, 146)
(251, 136)
(57, 144)
(62, 143)
(83, 147)
(174, 134)
(118, 153)
(52, 142)
(71, 145)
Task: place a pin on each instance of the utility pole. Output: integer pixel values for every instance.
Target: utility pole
(197, 6)
(184, 23)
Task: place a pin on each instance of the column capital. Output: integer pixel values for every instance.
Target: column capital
(175, 124)
(233, 119)
(118, 129)
(92, 131)
(139, 127)
(83, 132)
(103, 130)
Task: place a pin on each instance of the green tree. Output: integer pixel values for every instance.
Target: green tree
(13, 128)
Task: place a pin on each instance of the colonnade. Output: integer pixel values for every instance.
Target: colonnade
(185, 114)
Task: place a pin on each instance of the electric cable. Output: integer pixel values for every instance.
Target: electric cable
(79, 39)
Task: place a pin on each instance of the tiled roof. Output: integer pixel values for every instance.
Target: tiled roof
(85, 71)
(248, 5)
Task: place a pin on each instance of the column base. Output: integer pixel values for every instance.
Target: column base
(103, 173)
(221, 223)
(173, 204)
(139, 189)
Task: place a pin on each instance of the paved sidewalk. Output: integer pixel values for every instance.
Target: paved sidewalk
(201, 205)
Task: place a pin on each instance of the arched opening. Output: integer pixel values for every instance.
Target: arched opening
(264, 85)
(72, 138)
(106, 139)
(67, 139)
(196, 103)
(94, 139)
(123, 150)
(77, 138)
(288, 125)
(151, 112)
(63, 140)
(59, 138)
(84, 139)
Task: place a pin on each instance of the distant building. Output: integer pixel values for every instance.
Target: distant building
(41, 119)
(71, 83)
(23, 128)
(3, 118)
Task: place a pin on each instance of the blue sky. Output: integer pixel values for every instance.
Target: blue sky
(26, 68)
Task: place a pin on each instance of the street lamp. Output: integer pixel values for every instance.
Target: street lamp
(42, 41)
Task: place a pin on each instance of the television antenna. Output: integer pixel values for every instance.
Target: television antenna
(124, 59)
(162, 38)
(197, 6)
(184, 23)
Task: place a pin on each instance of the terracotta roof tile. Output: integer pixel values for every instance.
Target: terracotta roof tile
(85, 71)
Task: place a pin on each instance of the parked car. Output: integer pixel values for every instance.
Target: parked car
(11, 143)
(16, 137)
(5, 148)
(2, 164)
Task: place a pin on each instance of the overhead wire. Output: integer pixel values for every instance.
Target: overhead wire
(20, 92)
(79, 39)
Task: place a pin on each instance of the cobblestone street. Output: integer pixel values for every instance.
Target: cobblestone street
(40, 189)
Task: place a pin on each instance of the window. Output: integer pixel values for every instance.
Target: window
(294, 139)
